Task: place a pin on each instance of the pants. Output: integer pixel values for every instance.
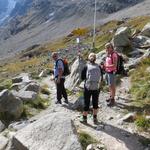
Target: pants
(87, 97)
(61, 91)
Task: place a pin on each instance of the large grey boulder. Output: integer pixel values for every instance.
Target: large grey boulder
(79, 104)
(51, 132)
(2, 126)
(141, 40)
(146, 30)
(26, 96)
(3, 142)
(100, 57)
(35, 87)
(133, 62)
(10, 105)
(122, 37)
(23, 77)
(74, 77)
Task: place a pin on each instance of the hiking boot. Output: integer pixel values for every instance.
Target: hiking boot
(58, 102)
(66, 101)
(111, 102)
(84, 120)
(95, 121)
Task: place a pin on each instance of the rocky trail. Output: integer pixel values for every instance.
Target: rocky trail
(112, 131)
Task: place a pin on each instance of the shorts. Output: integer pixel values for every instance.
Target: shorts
(87, 96)
(110, 78)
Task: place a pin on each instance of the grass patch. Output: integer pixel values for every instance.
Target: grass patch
(145, 142)
(140, 79)
(85, 139)
(142, 123)
(139, 22)
(44, 90)
(5, 84)
(34, 107)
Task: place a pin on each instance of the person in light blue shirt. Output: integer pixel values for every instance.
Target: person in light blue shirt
(59, 78)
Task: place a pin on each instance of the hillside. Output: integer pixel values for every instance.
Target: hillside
(36, 117)
(39, 26)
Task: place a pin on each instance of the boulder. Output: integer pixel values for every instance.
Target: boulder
(129, 117)
(74, 77)
(10, 105)
(17, 80)
(146, 30)
(96, 147)
(18, 86)
(18, 125)
(32, 87)
(55, 131)
(100, 57)
(26, 96)
(23, 77)
(2, 126)
(3, 142)
(79, 104)
(140, 41)
(122, 37)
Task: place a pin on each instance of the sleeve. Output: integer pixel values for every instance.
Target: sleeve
(83, 73)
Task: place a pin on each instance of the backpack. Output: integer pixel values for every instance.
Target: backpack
(66, 71)
(120, 64)
(93, 75)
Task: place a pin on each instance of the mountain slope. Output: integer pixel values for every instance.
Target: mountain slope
(41, 25)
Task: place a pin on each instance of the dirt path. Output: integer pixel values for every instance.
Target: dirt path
(113, 133)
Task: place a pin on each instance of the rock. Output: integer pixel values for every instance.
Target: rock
(43, 73)
(3, 142)
(23, 77)
(17, 80)
(129, 117)
(110, 118)
(147, 117)
(82, 85)
(51, 132)
(2, 126)
(26, 96)
(18, 86)
(100, 57)
(140, 41)
(18, 125)
(122, 37)
(10, 105)
(96, 147)
(79, 104)
(146, 30)
(75, 76)
(32, 87)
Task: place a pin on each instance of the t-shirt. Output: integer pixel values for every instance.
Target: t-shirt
(59, 65)
(109, 61)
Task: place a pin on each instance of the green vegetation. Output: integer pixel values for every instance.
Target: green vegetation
(138, 22)
(140, 89)
(34, 107)
(5, 84)
(85, 139)
(143, 123)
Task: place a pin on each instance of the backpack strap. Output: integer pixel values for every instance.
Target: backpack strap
(58, 60)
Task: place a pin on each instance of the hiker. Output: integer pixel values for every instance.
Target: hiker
(110, 69)
(59, 78)
(91, 73)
